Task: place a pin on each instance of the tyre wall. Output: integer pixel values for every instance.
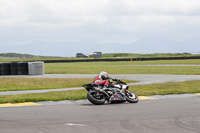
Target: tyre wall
(21, 68)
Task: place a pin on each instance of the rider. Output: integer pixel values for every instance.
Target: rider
(104, 80)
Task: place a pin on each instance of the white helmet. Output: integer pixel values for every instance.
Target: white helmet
(103, 75)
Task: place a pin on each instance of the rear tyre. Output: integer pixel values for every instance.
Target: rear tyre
(131, 97)
(95, 98)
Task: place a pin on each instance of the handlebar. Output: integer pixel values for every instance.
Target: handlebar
(121, 82)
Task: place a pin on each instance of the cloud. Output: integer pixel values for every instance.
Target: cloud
(79, 12)
(125, 21)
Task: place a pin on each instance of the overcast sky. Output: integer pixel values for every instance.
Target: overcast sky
(98, 23)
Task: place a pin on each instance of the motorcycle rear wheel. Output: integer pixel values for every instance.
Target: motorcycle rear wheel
(94, 98)
(131, 97)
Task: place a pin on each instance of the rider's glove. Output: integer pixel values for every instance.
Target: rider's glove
(110, 80)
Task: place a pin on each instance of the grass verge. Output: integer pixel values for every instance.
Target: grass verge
(144, 90)
(125, 67)
(18, 84)
(167, 88)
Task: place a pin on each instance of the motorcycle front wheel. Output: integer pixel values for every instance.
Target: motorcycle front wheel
(96, 98)
(131, 97)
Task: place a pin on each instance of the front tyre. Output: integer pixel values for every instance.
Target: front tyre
(131, 97)
(96, 98)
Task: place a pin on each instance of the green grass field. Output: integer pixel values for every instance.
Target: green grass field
(167, 88)
(131, 55)
(125, 67)
(18, 84)
(141, 90)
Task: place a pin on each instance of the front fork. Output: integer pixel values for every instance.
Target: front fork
(124, 91)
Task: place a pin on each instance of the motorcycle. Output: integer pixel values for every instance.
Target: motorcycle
(118, 93)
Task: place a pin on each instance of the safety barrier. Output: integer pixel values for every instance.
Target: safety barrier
(121, 59)
(22, 68)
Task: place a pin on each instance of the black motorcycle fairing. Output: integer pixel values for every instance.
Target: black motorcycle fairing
(117, 98)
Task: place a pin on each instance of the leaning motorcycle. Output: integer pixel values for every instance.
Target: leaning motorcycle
(118, 93)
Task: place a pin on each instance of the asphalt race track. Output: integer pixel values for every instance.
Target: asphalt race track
(174, 115)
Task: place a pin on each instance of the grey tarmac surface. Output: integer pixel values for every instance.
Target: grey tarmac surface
(175, 115)
(142, 78)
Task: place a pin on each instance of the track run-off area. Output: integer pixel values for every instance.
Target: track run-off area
(142, 78)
